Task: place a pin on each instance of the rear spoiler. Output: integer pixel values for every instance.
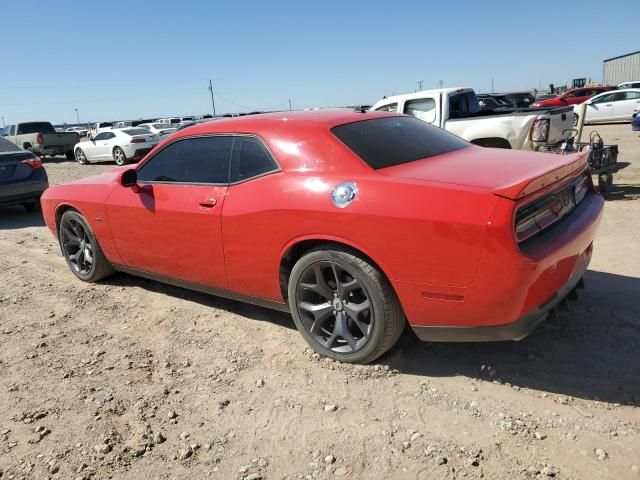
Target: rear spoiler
(574, 162)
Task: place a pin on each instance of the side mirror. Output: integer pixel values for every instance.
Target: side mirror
(129, 178)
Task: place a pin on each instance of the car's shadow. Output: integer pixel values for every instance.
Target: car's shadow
(13, 217)
(593, 352)
(252, 312)
(622, 192)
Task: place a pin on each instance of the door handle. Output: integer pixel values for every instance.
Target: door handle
(208, 203)
(608, 105)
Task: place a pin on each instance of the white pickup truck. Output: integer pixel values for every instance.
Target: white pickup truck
(458, 111)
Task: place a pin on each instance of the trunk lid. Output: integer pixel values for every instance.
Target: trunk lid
(12, 166)
(507, 173)
(65, 139)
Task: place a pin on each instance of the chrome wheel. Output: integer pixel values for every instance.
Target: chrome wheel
(334, 307)
(77, 246)
(81, 157)
(119, 157)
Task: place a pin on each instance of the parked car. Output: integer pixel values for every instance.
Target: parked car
(458, 111)
(615, 106)
(41, 138)
(351, 221)
(99, 126)
(81, 131)
(572, 97)
(633, 84)
(545, 96)
(22, 176)
(635, 122)
(121, 145)
(160, 129)
(169, 121)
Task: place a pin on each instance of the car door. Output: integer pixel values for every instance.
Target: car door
(169, 224)
(100, 146)
(599, 109)
(624, 105)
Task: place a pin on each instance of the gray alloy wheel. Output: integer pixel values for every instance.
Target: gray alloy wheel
(81, 158)
(81, 249)
(119, 156)
(343, 306)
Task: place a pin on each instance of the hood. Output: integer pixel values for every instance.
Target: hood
(508, 173)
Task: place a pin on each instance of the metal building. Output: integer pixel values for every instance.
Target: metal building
(624, 68)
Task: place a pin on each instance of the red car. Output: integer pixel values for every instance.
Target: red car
(572, 97)
(351, 221)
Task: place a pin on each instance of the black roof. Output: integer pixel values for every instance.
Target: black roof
(621, 56)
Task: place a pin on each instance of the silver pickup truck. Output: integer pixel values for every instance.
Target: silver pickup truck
(41, 138)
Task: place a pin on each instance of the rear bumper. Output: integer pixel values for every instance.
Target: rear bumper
(25, 191)
(56, 150)
(514, 289)
(511, 331)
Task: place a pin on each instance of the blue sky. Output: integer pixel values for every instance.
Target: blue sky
(121, 60)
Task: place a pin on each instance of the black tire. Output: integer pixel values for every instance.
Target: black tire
(81, 157)
(77, 240)
(119, 156)
(70, 155)
(383, 318)
(576, 119)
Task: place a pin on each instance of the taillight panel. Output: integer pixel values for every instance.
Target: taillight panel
(543, 213)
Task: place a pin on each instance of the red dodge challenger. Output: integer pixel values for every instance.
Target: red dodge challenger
(353, 222)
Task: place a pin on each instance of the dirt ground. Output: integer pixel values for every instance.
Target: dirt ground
(132, 379)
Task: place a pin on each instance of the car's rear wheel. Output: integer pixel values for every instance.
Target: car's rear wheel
(343, 306)
(119, 156)
(81, 249)
(81, 158)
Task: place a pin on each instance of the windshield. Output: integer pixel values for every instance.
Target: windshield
(135, 131)
(35, 127)
(390, 141)
(161, 125)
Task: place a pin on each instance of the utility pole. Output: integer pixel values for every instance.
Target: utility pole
(77, 116)
(213, 103)
(441, 83)
(290, 105)
(3, 125)
(420, 85)
(491, 84)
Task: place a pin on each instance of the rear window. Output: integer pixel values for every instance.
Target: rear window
(385, 142)
(35, 127)
(136, 131)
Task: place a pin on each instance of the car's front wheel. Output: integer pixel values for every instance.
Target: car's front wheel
(119, 156)
(344, 306)
(81, 249)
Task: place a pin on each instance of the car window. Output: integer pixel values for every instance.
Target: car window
(13, 130)
(192, 160)
(629, 96)
(390, 141)
(462, 104)
(391, 107)
(422, 108)
(35, 127)
(604, 98)
(135, 131)
(102, 136)
(250, 159)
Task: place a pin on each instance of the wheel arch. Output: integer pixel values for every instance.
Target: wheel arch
(60, 210)
(298, 248)
(492, 142)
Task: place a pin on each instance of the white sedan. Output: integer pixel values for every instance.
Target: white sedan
(121, 145)
(79, 130)
(613, 106)
(160, 129)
